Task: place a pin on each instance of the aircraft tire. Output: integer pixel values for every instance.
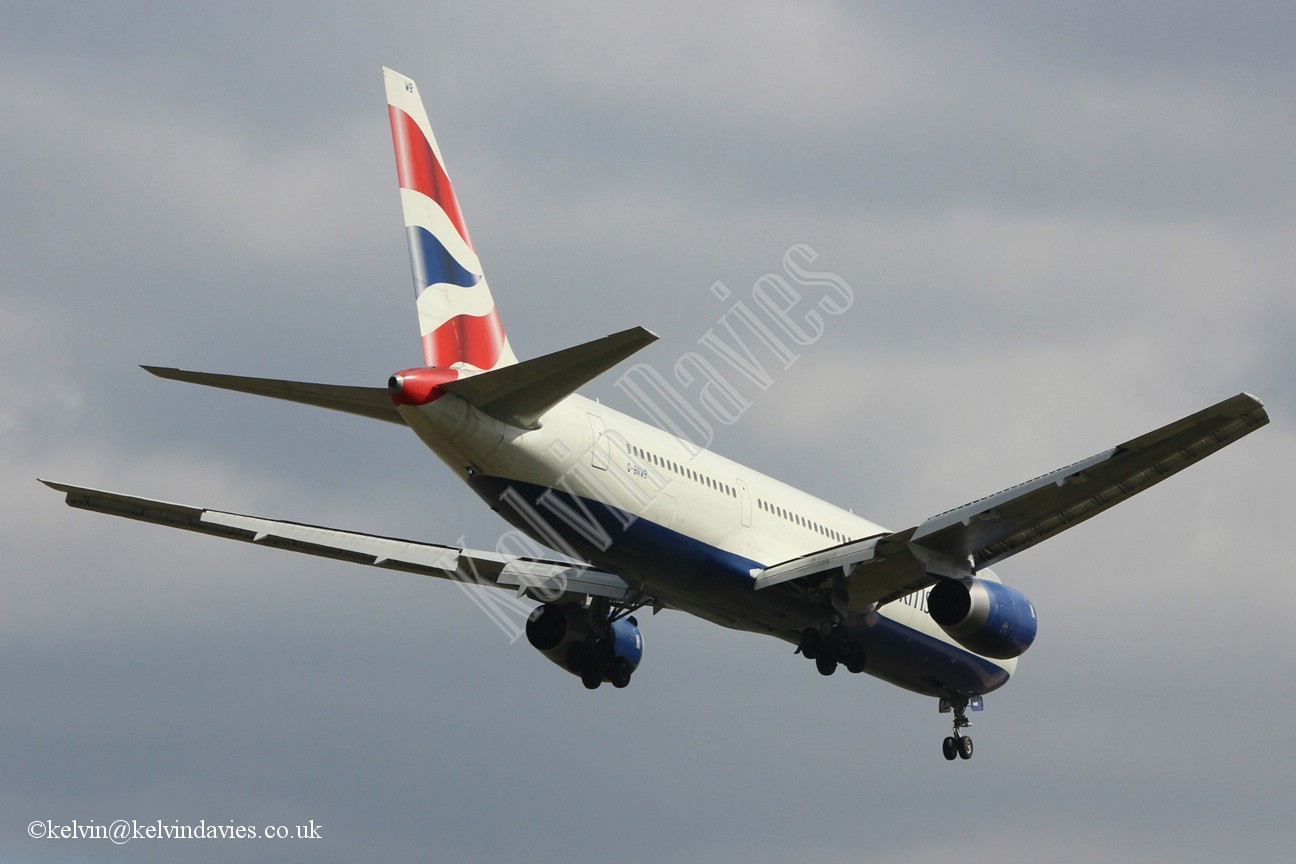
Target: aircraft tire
(621, 672)
(811, 642)
(855, 658)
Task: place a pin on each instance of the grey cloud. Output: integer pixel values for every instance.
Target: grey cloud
(1063, 228)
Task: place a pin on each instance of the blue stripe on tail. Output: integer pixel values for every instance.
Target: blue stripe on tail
(432, 263)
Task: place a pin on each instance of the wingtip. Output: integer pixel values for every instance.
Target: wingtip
(1248, 405)
(162, 371)
(1258, 413)
(638, 332)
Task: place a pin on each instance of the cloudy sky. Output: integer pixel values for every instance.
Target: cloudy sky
(1062, 228)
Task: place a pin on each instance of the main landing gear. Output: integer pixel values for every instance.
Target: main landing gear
(594, 661)
(958, 745)
(831, 649)
(613, 632)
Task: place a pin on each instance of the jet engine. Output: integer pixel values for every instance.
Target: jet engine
(597, 651)
(985, 617)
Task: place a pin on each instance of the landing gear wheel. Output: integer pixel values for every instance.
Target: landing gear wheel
(855, 658)
(825, 664)
(620, 672)
(591, 679)
(810, 643)
(959, 745)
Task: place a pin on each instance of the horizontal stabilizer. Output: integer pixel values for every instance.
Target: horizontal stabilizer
(520, 394)
(372, 402)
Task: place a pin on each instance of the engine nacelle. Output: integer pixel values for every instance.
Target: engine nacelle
(986, 617)
(563, 634)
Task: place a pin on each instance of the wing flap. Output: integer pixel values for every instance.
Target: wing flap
(842, 558)
(543, 580)
(873, 570)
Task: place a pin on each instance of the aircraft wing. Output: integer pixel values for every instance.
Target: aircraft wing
(547, 581)
(993, 528)
(958, 542)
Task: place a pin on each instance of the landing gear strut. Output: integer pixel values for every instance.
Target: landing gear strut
(958, 745)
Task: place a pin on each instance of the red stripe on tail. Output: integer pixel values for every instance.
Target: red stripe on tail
(418, 168)
(475, 340)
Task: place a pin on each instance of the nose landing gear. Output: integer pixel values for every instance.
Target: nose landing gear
(958, 745)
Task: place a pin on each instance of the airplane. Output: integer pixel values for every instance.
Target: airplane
(643, 518)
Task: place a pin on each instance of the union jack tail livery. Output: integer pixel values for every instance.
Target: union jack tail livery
(457, 317)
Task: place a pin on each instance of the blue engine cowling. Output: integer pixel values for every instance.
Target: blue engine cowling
(562, 633)
(985, 617)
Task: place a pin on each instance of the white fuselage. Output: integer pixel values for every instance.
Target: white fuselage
(683, 524)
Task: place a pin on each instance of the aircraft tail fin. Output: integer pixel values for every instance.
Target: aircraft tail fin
(457, 318)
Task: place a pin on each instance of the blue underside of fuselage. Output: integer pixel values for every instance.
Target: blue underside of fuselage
(717, 585)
